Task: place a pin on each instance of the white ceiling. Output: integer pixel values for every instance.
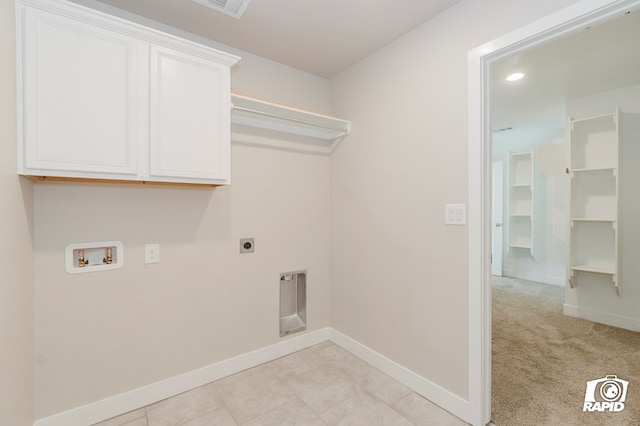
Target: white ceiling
(322, 37)
(597, 59)
(325, 37)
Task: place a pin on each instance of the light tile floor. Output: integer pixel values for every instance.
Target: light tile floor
(322, 385)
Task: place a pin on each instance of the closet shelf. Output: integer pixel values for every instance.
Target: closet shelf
(598, 269)
(593, 219)
(267, 115)
(611, 117)
(520, 209)
(595, 169)
(594, 199)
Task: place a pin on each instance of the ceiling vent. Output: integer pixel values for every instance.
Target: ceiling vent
(233, 8)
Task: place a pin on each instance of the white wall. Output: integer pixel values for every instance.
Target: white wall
(594, 298)
(101, 334)
(550, 213)
(253, 75)
(16, 251)
(399, 275)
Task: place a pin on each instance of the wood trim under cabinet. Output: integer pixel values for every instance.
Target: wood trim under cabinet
(118, 181)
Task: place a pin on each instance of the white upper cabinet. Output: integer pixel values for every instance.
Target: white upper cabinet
(103, 98)
(80, 88)
(189, 96)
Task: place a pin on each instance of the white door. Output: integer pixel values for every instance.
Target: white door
(497, 217)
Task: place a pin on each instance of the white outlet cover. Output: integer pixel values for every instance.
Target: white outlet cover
(152, 253)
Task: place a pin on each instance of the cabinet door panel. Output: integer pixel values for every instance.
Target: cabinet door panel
(189, 117)
(80, 98)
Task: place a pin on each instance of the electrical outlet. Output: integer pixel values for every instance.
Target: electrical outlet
(152, 253)
(247, 245)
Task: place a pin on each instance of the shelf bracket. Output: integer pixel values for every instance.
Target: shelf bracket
(571, 281)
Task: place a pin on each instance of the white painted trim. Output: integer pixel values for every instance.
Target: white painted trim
(137, 398)
(128, 401)
(540, 278)
(436, 394)
(569, 19)
(602, 317)
(479, 202)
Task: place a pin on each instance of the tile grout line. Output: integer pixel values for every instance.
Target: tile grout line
(323, 362)
(274, 408)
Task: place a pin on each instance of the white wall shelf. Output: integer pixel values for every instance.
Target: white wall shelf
(593, 198)
(600, 169)
(268, 115)
(520, 210)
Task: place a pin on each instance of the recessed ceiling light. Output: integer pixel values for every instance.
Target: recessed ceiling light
(515, 76)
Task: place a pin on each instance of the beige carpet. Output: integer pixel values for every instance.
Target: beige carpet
(542, 360)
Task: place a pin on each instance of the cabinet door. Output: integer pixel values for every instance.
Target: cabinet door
(189, 118)
(80, 96)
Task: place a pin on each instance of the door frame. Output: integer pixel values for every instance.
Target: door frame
(497, 256)
(570, 19)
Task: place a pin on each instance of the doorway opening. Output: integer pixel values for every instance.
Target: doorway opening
(575, 18)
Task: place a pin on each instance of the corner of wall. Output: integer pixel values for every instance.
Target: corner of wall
(17, 336)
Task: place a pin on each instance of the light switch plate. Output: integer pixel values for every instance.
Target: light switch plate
(455, 214)
(152, 253)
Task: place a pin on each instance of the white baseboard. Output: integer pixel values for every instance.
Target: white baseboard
(434, 393)
(602, 317)
(540, 278)
(123, 403)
